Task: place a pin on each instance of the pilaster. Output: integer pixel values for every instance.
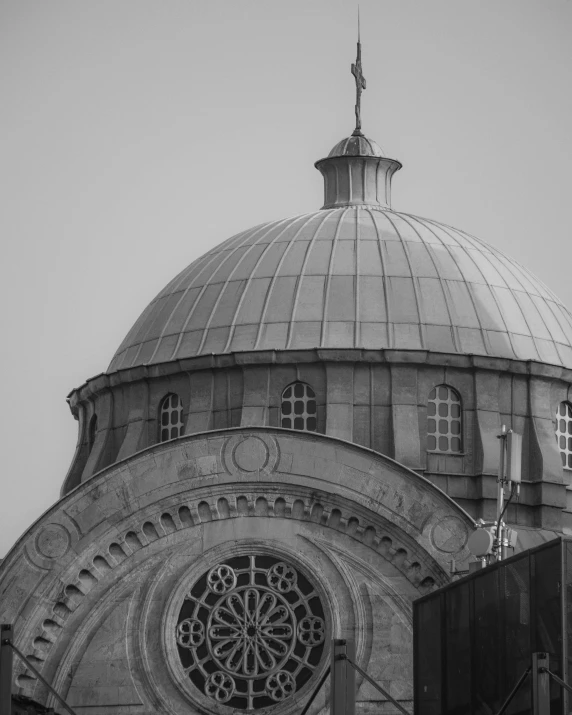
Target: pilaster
(405, 415)
(199, 418)
(73, 477)
(96, 459)
(488, 422)
(256, 396)
(546, 465)
(134, 439)
(340, 400)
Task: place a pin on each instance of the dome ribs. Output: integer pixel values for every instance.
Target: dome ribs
(414, 279)
(277, 273)
(249, 282)
(329, 276)
(121, 354)
(383, 279)
(511, 273)
(225, 287)
(202, 264)
(340, 320)
(444, 287)
(356, 276)
(484, 264)
(427, 225)
(358, 145)
(246, 235)
(462, 291)
(357, 323)
(445, 283)
(511, 270)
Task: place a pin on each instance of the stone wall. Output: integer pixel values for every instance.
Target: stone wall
(377, 399)
(95, 589)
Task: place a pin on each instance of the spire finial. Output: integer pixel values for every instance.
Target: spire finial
(360, 82)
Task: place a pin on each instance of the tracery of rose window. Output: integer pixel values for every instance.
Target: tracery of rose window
(251, 632)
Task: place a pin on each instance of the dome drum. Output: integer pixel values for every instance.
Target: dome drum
(377, 399)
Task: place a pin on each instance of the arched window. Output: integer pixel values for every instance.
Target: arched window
(299, 407)
(91, 431)
(444, 433)
(564, 433)
(171, 418)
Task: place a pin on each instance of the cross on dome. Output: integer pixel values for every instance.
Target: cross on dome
(360, 82)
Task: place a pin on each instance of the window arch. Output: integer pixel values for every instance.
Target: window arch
(564, 433)
(171, 418)
(299, 407)
(444, 420)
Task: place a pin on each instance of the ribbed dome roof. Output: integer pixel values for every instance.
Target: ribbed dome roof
(354, 277)
(356, 145)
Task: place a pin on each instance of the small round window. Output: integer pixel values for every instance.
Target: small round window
(251, 632)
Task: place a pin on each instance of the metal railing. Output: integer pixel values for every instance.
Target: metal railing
(342, 671)
(7, 649)
(343, 690)
(541, 675)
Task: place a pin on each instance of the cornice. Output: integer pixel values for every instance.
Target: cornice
(106, 381)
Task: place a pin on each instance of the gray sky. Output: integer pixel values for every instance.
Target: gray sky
(135, 135)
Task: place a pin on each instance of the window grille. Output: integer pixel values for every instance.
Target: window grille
(299, 407)
(444, 432)
(564, 433)
(171, 417)
(251, 632)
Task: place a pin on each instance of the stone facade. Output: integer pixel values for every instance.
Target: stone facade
(202, 557)
(377, 399)
(94, 588)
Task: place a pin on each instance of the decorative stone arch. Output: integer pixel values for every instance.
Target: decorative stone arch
(372, 531)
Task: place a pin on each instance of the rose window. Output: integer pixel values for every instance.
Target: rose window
(251, 632)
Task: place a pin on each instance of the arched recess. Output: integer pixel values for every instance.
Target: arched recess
(362, 511)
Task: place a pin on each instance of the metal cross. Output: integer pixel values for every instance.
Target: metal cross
(360, 82)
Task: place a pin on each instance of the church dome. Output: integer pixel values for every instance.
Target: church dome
(356, 276)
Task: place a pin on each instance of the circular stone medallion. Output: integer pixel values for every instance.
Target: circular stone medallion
(251, 454)
(53, 541)
(449, 535)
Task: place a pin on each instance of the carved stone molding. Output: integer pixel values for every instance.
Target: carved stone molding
(449, 535)
(251, 454)
(137, 510)
(53, 541)
(193, 513)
